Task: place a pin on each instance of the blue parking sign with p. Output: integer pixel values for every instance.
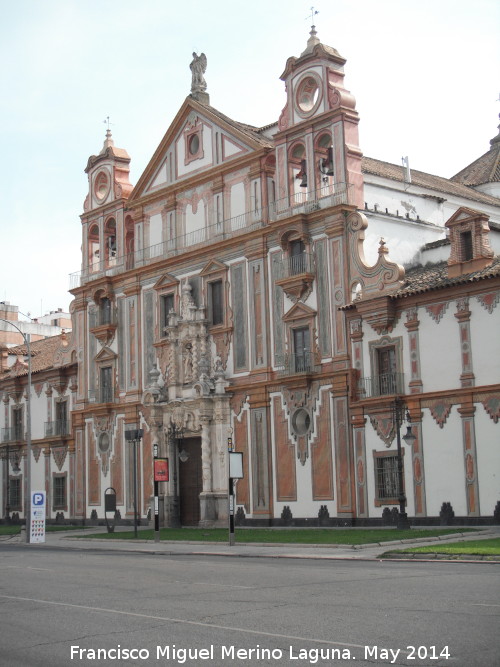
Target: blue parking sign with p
(38, 499)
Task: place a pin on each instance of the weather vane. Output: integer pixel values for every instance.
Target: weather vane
(313, 14)
(107, 122)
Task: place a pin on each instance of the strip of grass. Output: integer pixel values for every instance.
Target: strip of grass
(348, 536)
(470, 547)
(15, 529)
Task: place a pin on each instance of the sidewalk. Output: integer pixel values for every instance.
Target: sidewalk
(68, 540)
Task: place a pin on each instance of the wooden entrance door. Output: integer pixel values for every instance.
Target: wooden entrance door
(190, 481)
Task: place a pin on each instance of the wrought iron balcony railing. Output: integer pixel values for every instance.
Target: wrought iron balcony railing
(385, 384)
(294, 364)
(228, 228)
(12, 434)
(59, 427)
(295, 265)
(102, 395)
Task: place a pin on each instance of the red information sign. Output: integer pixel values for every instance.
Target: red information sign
(161, 470)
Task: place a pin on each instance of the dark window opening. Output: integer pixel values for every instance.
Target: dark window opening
(386, 378)
(216, 303)
(15, 498)
(466, 246)
(106, 393)
(59, 492)
(301, 350)
(297, 257)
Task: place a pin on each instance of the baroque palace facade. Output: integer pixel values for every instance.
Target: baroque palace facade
(242, 291)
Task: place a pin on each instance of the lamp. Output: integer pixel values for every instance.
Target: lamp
(410, 437)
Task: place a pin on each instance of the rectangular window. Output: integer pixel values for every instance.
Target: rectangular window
(106, 387)
(297, 257)
(61, 425)
(17, 424)
(301, 350)
(216, 303)
(15, 497)
(386, 478)
(166, 305)
(105, 311)
(386, 379)
(59, 492)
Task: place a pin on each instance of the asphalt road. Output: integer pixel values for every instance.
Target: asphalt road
(68, 607)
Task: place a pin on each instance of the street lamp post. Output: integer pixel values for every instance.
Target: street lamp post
(134, 436)
(400, 412)
(27, 500)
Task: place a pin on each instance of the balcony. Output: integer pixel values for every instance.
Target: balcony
(56, 428)
(13, 434)
(297, 364)
(103, 395)
(295, 274)
(228, 228)
(385, 384)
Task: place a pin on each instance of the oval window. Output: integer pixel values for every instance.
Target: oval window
(101, 185)
(194, 144)
(307, 94)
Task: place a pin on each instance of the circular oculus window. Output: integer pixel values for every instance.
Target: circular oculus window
(101, 186)
(308, 94)
(301, 421)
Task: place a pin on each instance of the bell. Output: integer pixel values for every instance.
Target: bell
(303, 174)
(326, 166)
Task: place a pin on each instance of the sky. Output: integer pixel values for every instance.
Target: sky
(425, 75)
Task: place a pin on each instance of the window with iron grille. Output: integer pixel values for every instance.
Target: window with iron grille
(386, 478)
(59, 492)
(15, 497)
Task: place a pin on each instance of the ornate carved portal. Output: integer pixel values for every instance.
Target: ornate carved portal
(186, 402)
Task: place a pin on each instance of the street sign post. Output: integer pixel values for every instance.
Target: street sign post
(37, 517)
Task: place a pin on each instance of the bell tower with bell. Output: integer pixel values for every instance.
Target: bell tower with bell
(317, 145)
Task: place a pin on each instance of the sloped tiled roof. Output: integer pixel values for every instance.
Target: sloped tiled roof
(42, 355)
(428, 278)
(252, 132)
(396, 172)
(485, 169)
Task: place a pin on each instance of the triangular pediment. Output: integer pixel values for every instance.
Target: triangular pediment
(462, 214)
(198, 140)
(106, 354)
(214, 266)
(165, 282)
(299, 312)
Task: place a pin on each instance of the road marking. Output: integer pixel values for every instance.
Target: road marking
(483, 604)
(186, 622)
